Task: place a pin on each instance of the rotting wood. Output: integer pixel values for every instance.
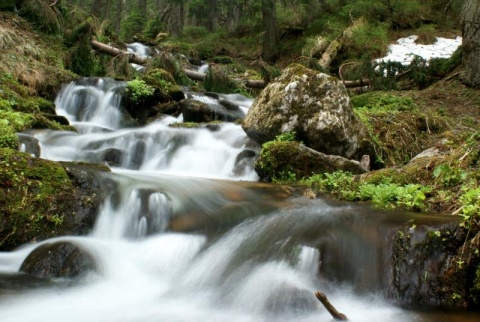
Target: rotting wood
(336, 45)
(140, 60)
(330, 308)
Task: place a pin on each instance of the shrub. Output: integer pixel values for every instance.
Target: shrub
(369, 39)
(137, 90)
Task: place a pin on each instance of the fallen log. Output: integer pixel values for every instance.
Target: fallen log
(113, 51)
(337, 44)
(330, 308)
(140, 60)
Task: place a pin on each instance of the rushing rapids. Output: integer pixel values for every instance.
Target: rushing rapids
(186, 235)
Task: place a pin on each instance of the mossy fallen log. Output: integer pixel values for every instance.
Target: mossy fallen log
(252, 83)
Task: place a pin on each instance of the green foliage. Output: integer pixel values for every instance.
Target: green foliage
(80, 58)
(195, 32)
(217, 80)
(370, 39)
(286, 136)
(390, 195)
(285, 177)
(133, 24)
(153, 28)
(426, 35)
(448, 176)
(167, 62)
(386, 195)
(380, 102)
(340, 184)
(470, 203)
(137, 90)
(42, 15)
(8, 140)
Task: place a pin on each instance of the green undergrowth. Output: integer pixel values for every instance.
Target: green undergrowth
(448, 183)
(397, 127)
(19, 111)
(385, 194)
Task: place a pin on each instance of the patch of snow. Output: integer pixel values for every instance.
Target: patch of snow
(406, 49)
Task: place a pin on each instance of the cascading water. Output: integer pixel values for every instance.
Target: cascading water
(183, 237)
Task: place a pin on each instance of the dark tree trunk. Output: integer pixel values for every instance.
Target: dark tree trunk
(118, 17)
(212, 16)
(176, 18)
(107, 9)
(98, 8)
(270, 37)
(142, 8)
(233, 15)
(470, 20)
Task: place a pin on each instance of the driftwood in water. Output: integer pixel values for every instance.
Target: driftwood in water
(330, 308)
(252, 83)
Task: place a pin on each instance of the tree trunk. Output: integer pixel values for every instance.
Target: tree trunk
(470, 20)
(233, 15)
(98, 8)
(176, 18)
(142, 8)
(118, 17)
(270, 33)
(337, 44)
(212, 16)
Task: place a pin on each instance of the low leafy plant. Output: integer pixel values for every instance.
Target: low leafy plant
(138, 89)
(448, 176)
(470, 204)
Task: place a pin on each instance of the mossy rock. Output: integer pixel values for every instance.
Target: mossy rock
(40, 199)
(314, 105)
(159, 78)
(61, 259)
(217, 80)
(434, 265)
(281, 160)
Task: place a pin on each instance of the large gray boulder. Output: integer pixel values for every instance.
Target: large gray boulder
(314, 105)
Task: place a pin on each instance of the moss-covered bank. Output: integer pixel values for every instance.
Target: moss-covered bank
(40, 199)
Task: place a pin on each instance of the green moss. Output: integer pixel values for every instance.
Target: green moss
(380, 102)
(31, 191)
(218, 80)
(186, 125)
(42, 14)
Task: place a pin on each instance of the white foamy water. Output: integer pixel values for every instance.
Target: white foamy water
(95, 110)
(171, 245)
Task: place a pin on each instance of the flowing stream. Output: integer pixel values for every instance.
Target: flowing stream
(187, 234)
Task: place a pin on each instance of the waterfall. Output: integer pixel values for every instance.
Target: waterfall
(182, 236)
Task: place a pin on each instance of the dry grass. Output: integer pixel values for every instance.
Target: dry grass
(26, 57)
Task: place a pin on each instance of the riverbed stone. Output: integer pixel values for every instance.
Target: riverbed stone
(314, 105)
(435, 266)
(58, 259)
(196, 111)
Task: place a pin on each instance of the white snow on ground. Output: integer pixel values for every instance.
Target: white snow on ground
(405, 49)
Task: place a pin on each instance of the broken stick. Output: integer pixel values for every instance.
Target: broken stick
(330, 308)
